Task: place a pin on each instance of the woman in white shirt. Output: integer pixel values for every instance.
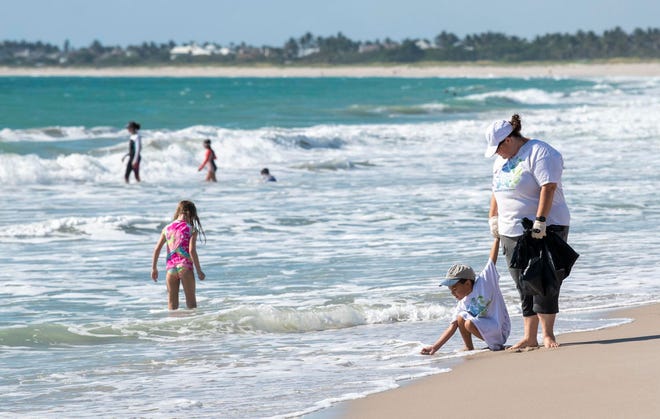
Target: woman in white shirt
(526, 184)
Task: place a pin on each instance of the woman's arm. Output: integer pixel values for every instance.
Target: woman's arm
(492, 212)
(545, 204)
(493, 222)
(494, 250)
(545, 199)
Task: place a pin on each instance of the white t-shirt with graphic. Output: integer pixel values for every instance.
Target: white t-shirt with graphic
(517, 187)
(485, 308)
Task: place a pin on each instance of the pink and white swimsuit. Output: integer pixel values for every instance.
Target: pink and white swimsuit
(178, 234)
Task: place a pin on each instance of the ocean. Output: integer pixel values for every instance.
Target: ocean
(321, 287)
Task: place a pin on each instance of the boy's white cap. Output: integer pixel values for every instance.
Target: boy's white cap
(456, 273)
(495, 134)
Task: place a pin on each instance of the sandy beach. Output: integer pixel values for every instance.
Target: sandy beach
(641, 69)
(608, 373)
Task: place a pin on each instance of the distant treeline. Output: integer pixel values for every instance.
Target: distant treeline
(338, 49)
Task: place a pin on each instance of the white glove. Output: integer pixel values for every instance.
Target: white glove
(492, 222)
(538, 229)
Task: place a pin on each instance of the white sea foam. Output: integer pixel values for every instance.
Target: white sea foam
(55, 134)
(100, 228)
(523, 97)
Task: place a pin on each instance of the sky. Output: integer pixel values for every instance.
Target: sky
(272, 22)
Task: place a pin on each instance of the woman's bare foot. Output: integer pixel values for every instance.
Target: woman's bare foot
(524, 344)
(550, 342)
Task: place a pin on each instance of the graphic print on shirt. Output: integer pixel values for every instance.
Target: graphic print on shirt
(507, 178)
(478, 306)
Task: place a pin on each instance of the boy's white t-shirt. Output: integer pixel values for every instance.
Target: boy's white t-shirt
(486, 309)
(517, 187)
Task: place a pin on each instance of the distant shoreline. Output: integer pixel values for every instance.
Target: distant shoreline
(424, 70)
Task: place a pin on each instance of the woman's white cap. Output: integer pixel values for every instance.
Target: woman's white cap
(495, 134)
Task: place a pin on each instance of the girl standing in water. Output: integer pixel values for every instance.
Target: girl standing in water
(181, 238)
(134, 148)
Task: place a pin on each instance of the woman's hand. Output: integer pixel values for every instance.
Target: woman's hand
(492, 222)
(538, 229)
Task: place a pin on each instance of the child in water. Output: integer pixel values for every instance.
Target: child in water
(181, 237)
(209, 162)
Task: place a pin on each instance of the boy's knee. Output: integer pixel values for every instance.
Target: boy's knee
(463, 323)
(468, 325)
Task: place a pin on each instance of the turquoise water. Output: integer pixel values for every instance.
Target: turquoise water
(175, 103)
(321, 287)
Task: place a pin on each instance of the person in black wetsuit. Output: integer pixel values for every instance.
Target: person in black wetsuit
(134, 148)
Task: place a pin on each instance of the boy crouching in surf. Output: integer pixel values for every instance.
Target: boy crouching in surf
(480, 310)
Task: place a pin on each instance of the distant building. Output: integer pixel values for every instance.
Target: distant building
(304, 52)
(248, 52)
(423, 44)
(390, 44)
(368, 47)
(22, 54)
(211, 49)
(189, 50)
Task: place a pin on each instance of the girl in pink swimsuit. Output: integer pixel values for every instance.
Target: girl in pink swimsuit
(181, 238)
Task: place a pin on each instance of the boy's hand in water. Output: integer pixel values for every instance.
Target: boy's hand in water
(428, 350)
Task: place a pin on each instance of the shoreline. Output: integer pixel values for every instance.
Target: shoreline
(449, 70)
(610, 372)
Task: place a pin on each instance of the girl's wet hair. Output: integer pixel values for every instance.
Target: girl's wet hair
(516, 123)
(207, 142)
(189, 212)
(133, 125)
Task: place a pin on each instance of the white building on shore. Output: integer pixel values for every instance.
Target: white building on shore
(189, 50)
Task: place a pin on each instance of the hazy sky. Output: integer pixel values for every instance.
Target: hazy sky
(272, 22)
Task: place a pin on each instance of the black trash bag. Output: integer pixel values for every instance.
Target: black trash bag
(563, 255)
(544, 263)
(539, 277)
